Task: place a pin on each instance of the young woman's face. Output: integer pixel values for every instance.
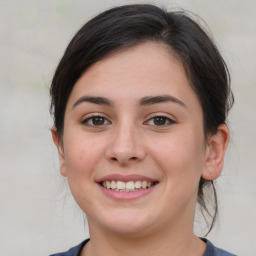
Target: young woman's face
(133, 142)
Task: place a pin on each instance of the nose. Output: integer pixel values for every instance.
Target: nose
(126, 146)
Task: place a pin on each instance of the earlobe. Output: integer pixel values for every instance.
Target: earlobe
(60, 149)
(215, 151)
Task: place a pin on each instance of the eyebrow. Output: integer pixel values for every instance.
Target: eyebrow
(95, 100)
(148, 100)
(160, 99)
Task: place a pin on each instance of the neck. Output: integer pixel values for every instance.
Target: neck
(174, 241)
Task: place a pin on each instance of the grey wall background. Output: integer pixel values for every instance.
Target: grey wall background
(37, 213)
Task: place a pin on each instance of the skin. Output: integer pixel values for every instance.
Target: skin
(130, 141)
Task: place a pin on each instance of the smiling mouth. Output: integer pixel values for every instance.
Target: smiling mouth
(128, 186)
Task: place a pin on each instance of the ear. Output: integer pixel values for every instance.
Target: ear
(60, 149)
(215, 151)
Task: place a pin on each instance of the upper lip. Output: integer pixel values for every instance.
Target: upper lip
(125, 178)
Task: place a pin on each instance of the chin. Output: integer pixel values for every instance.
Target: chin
(127, 222)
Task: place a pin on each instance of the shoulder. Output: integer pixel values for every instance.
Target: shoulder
(211, 250)
(74, 251)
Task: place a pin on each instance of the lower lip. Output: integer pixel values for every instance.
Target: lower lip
(132, 195)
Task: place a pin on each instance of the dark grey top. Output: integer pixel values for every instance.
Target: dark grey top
(211, 250)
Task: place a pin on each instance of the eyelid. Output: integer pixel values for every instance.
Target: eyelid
(88, 117)
(170, 119)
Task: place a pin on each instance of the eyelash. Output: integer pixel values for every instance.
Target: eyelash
(166, 119)
(153, 118)
(93, 117)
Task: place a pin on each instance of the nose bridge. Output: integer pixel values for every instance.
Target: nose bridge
(125, 137)
(125, 146)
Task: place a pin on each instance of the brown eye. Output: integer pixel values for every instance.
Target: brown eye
(95, 121)
(98, 120)
(160, 121)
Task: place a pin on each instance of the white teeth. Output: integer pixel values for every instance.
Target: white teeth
(112, 184)
(127, 186)
(108, 183)
(144, 184)
(120, 185)
(137, 184)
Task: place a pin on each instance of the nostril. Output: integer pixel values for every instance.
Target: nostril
(115, 159)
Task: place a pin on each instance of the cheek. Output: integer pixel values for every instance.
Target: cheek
(81, 154)
(181, 160)
(181, 155)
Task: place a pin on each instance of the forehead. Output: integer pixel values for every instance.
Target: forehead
(138, 60)
(146, 69)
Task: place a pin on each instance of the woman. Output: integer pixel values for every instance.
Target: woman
(140, 100)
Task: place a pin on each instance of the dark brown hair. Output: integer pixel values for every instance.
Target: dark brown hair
(125, 26)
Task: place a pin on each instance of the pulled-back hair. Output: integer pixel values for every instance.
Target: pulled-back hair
(122, 27)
